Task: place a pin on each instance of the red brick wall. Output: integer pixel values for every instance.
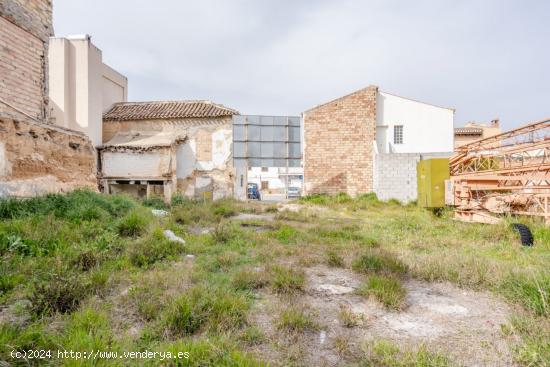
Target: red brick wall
(338, 137)
(24, 30)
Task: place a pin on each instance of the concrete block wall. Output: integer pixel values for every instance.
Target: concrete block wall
(338, 144)
(395, 174)
(25, 26)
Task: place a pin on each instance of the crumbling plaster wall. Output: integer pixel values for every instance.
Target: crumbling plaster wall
(37, 158)
(215, 175)
(194, 177)
(137, 163)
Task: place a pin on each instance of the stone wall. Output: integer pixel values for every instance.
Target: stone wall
(338, 144)
(395, 175)
(36, 158)
(25, 26)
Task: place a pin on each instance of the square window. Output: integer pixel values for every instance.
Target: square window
(398, 134)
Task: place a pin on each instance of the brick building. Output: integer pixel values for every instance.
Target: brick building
(367, 141)
(35, 157)
(25, 28)
(338, 144)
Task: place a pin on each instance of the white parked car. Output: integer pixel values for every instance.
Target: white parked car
(294, 192)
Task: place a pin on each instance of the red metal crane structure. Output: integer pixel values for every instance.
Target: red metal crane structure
(507, 173)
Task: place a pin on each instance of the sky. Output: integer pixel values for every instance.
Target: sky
(486, 59)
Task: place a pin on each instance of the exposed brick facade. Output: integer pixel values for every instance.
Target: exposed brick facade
(25, 26)
(338, 144)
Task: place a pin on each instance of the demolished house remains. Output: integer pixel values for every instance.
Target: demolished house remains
(162, 148)
(36, 157)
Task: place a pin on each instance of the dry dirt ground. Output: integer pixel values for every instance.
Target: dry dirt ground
(461, 324)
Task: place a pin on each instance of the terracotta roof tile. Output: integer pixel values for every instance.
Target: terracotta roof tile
(468, 131)
(166, 110)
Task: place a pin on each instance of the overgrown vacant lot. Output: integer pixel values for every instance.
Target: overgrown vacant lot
(324, 281)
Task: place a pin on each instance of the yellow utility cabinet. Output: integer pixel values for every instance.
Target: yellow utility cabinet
(432, 174)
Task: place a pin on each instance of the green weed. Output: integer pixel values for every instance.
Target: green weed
(387, 290)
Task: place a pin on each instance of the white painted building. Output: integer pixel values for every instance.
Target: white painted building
(81, 86)
(404, 125)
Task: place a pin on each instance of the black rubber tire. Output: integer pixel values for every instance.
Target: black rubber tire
(524, 233)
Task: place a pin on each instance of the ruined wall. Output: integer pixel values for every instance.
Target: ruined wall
(110, 128)
(204, 161)
(137, 163)
(36, 158)
(338, 144)
(25, 26)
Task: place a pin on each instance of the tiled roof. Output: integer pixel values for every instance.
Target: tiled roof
(468, 131)
(166, 110)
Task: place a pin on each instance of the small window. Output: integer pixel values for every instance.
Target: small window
(398, 134)
(265, 185)
(264, 169)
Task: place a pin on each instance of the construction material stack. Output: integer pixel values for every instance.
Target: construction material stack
(507, 173)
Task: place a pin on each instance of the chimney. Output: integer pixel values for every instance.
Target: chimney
(495, 122)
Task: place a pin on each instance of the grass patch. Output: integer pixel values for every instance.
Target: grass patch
(249, 279)
(533, 291)
(200, 306)
(296, 320)
(186, 211)
(385, 353)
(379, 262)
(334, 259)
(347, 317)
(287, 280)
(387, 290)
(154, 247)
(286, 235)
(534, 349)
(133, 224)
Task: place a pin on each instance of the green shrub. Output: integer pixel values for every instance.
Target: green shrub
(387, 290)
(377, 261)
(59, 292)
(223, 233)
(86, 260)
(287, 280)
(133, 224)
(155, 202)
(200, 306)
(80, 205)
